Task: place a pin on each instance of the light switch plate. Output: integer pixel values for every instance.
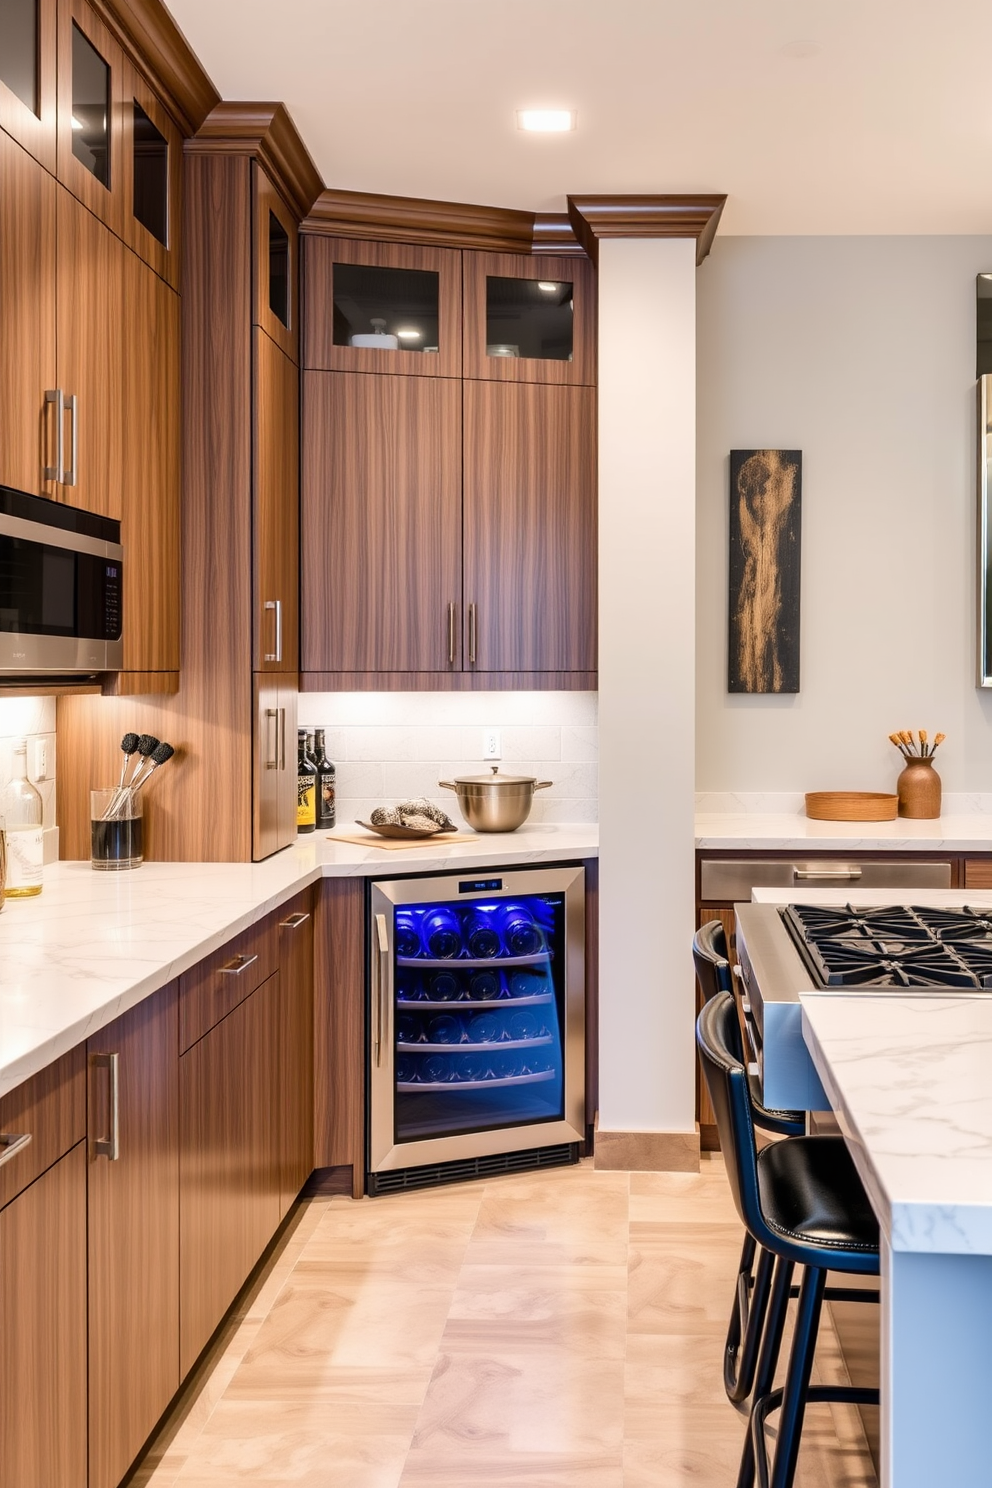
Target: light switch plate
(491, 748)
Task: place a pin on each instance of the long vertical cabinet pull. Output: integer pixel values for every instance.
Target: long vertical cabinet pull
(109, 1146)
(272, 762)
(69, 477)
(282, 739)
(451, 632)
(381, 1015)
(276, 606)
(57, 471)
(471, 633)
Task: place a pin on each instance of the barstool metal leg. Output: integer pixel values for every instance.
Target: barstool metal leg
(771, 1343)
(747, 1322)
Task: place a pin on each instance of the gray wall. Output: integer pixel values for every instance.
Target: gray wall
(861, 353)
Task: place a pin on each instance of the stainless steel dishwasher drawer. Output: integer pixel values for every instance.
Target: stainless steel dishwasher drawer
(732, 879)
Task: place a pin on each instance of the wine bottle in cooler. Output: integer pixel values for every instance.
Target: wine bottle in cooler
(325, 782)
(21, 818)
(481, 936)
(442, 933)
(407, 934)
(521, 936)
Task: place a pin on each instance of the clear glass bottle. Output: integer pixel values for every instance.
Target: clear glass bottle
(22, 814)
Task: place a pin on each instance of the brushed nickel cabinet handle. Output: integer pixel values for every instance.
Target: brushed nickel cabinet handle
(451, 632)
(294, 922)
(282, 738)
(11, 1143)
(471, 632)
(273, 762)
(846, 874)
(383, 977)
(69, 476)
(276, 606)
(109, 1146)
(57, 471)
(238, 964)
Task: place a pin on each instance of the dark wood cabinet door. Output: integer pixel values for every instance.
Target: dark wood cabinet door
(275, 271)
(89, 308)
(27, 341)
(153, 160)
(28, 88)
(273, 765)
(530, 527)
(381, 527)
(43, 1330)
(228, 1168)
(133, 1232)
(151, 487)
(516, 309)
(294, 1048)
(276, 462)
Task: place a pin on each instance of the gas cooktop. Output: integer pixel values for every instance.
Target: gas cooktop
(894, 946)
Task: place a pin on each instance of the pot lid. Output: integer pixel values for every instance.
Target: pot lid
(495, 778)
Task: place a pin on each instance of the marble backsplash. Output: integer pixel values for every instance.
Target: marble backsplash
(390, 746)
(33, 719)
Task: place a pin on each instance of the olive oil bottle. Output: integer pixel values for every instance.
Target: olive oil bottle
(306, 787)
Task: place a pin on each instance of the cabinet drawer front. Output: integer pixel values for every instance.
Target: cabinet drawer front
(51, 1109)
(978, 873)
(222, 980)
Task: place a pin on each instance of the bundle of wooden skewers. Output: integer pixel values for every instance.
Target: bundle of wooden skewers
(916, 746)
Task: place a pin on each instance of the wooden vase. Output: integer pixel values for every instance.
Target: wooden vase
(919, 790)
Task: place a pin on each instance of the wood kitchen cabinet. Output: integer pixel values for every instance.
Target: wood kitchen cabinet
(28, 80)
(529, 319)
(275, 272)
(530, 528)
(293, 1019)
(43, 1279)
(153, 153)
(276, 526)
(273, 764)
(382, 515)
(132, 1230)
(27, 344)
(90, 119)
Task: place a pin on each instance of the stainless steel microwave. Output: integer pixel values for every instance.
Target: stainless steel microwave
(61, 575)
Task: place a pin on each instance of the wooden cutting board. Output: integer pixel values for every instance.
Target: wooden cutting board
(400, 844)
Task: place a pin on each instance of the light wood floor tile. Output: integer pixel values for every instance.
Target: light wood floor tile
(560, 1330)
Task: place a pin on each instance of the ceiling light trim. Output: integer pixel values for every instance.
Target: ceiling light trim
(668, 216)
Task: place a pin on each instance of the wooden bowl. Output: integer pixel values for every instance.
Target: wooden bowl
(413, 834)
(851, 806)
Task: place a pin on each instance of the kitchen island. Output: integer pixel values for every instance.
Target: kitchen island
(93, 945)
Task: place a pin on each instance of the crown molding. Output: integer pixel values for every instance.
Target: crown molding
(165, 57)
(553, 233)
(266, 132)
(435, 224)
(595, 217)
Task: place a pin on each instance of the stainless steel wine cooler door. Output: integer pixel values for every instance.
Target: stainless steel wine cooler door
(477, 1015)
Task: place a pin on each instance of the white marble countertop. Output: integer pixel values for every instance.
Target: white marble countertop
(92, 945)
(782, 831)
(908, 1078)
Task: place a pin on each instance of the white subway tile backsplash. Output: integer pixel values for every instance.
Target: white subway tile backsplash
(388, 747)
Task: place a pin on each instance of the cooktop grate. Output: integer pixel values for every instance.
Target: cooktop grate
(893, 945)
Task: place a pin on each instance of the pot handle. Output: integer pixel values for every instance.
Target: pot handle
(543, 784)
(447, 785)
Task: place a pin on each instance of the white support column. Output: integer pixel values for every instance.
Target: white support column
(647, 518)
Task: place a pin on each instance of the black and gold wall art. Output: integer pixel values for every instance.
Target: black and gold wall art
(765, 517)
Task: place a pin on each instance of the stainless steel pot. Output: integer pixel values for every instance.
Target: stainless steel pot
(495, 803)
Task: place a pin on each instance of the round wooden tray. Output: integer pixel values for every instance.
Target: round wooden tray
(852, 806)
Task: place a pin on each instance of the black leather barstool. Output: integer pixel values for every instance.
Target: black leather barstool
(802, 1201)
(740, 1358)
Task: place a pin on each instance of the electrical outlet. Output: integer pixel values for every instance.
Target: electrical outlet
(40, 759)
(491, 744)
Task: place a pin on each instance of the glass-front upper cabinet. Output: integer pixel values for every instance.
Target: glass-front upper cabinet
(275, 257)
(529, 319)
(27, 75)
(383, 307)
(152, 180)
(91, 112)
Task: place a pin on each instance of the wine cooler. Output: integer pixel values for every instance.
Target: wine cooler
(476, 1025)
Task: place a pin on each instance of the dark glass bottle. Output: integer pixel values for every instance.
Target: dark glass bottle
(442, 933)
(306, 787)
(521, 936)
(407, 934)
(481, 935)
(325, 782)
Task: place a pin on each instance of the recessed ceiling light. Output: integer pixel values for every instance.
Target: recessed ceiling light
(546, 121)
(548, 288)
(409, 335)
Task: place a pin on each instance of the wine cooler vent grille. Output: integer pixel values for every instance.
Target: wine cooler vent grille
(463, 1170)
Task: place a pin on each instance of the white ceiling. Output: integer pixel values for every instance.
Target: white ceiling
(815, 116)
